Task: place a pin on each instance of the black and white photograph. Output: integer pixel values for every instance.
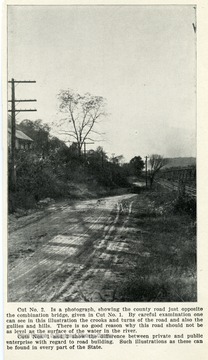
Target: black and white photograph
(101, 153)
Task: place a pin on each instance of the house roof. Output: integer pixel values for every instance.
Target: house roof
(21, 135)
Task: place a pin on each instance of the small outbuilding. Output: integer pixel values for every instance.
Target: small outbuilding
(22, 141)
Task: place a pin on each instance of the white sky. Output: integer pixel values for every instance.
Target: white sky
(140, 58)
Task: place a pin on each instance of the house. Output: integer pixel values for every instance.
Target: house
(22, 141)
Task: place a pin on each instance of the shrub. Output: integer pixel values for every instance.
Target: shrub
(36, 179)
(185, 204)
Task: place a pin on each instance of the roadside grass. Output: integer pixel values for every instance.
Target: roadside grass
(165, 241)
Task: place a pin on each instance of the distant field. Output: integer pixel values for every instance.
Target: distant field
(180, 162)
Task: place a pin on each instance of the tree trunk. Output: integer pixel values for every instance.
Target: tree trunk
(151, 180)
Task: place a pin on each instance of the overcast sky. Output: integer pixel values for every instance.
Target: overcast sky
(140, 58)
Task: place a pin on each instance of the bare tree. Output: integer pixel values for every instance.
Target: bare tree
(83, 112)
(156, 163)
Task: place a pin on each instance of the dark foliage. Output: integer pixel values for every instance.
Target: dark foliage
(185, 204)
(51, 168)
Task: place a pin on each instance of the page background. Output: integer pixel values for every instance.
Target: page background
(152, 351)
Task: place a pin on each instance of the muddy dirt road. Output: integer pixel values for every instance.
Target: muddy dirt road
(70, 252)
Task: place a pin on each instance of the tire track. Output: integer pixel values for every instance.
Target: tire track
(64, 262)
(45, 278)
(98, 275)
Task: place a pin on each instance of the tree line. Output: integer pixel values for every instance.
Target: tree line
(48, 169)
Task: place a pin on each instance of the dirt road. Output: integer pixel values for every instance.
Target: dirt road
(70, 252)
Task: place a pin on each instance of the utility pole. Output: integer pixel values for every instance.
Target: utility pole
(13, 126)
(86, 143)
(102, 159)
(146, 169)
(13, 132)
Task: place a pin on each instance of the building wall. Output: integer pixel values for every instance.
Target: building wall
(20, 143)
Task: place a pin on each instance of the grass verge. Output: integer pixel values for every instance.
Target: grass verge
(164, 268)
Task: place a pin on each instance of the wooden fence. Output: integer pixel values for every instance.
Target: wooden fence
(182, 180)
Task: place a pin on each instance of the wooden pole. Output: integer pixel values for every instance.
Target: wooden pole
(13, 138)
(146, 169)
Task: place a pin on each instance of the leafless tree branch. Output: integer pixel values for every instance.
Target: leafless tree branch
(83, 111)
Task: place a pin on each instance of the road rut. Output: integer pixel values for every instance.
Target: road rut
(79, 254)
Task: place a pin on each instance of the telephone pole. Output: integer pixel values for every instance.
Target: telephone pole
(146, 169)
(85, 150)
(13, 126)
